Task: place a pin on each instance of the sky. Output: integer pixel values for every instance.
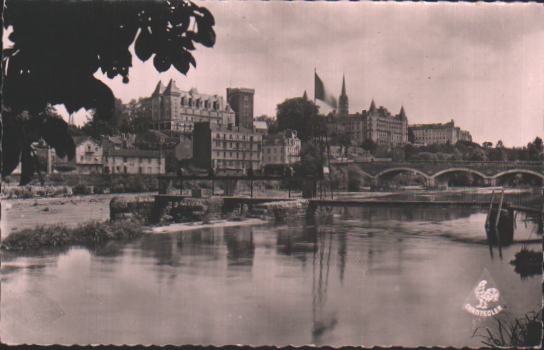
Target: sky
(479, 64)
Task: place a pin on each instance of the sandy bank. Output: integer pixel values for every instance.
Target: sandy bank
(181, 227)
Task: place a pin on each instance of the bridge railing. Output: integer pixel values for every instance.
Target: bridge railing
(458, 162)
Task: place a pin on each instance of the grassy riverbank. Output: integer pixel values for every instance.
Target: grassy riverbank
(61, 236)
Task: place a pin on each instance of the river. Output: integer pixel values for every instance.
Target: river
(380, 276)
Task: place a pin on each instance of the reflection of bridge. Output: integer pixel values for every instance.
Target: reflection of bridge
(489, 172)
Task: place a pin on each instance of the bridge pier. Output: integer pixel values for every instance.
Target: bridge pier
(490, 181)
(430, 182)
(230, 187)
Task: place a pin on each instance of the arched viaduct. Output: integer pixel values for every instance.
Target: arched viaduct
(489, 172)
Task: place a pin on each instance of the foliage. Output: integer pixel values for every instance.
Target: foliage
(301, 115)
(311, 161)
(21, 130)
(355, 178)
(369, 145)
(522, 332)
(81, 189)
(59, 45)
(60, 236)
(470, 151)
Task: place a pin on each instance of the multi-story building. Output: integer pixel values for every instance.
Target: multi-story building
(133, 161)
(87, 160)
(226, 147)
(438, 133)
(176, 110)
(375, 124)
(282, 148)
(241, 101)
(383, 128)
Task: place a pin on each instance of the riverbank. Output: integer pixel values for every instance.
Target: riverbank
(57, 236)
(190, 226)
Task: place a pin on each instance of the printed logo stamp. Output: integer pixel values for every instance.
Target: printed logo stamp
(485, 299)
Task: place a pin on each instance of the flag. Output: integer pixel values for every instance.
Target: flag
(322, 94)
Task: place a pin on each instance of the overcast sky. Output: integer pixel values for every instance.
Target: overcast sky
(480, 64)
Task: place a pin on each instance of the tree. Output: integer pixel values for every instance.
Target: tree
(299, 114)
(59, 45)
(369, 145)
(487, 144)
(535, 149)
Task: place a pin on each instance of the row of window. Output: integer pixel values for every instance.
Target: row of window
(237, 145)
(235, 163)
(126, 170)
(231, 137)
(236, 155)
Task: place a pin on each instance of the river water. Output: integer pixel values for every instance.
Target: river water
(361, 276)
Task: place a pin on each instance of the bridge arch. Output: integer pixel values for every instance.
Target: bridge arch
(401, 169)
(453, 170)
(519, 171)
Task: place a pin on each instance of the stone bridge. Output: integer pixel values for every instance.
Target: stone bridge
(489, 172)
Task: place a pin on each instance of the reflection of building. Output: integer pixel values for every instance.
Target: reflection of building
(88, 157)
(226, 148)
(240, 247)
(241, 101)
(281, 148)
(438, 133)
(133, 161)
(176, 110)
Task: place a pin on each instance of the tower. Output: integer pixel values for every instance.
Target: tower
(241, 101)
(343, 103)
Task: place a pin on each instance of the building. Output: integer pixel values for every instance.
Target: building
(133, 161)
(343, 102)
(282, 148)
(261, 127)
(241, 101)
(383, 128)
(438, 133)
(464, 135)
(87, 160)
(226, 147)
(177, 110)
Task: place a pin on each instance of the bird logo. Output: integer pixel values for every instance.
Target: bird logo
(485, 296)
(485, 300)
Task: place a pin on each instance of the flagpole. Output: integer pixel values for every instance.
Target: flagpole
(315, 74)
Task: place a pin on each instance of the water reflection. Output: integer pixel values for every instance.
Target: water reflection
(349, 276)
(240, 247)
(322, 321)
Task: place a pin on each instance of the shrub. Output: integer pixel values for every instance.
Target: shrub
(56, 178)
(80, 189)
(59, 236)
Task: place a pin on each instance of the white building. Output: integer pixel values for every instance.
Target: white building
(133, 161)
(88, 157)
(282, 148)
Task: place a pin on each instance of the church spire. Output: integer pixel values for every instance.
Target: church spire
(343, 102)
(402, 113)
(159, 89)
(372, 108)
(305, 95)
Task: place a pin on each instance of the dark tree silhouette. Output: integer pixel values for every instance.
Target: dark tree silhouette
(298, 114)
(59, 45)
